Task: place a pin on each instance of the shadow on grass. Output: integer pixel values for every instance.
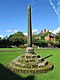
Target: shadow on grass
(6, 74)
(48, 56)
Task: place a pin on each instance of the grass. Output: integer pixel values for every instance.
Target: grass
(10, 48)
(6, 57)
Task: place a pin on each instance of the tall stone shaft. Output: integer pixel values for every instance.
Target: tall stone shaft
(29, 27)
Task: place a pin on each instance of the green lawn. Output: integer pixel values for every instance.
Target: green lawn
(6, 57)
(10, 48)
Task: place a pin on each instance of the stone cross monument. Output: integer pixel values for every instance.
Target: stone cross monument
(30, 62)
(29, 49)
(29, 27)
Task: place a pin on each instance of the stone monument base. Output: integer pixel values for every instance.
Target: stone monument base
(20, 70)
(30, 63)
(30, 50)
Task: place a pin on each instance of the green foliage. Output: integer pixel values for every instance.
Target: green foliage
(4, 43)
(50, 42)
(45, 34)
(57, 44)
(34, 37)
(57, 36)
(43, 43)
(35, 40)
(0, 38)
(39, 42)
(17, 38)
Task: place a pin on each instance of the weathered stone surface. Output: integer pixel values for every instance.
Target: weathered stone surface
(29, 27)
(30, 50)
(29, 62)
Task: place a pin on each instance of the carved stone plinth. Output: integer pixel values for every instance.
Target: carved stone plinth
(30, 50)
(30, 64)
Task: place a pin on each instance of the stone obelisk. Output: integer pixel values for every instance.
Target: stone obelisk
(29, 27)
(29, 49)
(30, 63)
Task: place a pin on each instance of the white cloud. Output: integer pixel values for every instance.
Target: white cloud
(34, 31)
(25, 33)
(56, 30)
(9, 31)
(15, 31)
(50, 30)
(12, 31)
(2, 36)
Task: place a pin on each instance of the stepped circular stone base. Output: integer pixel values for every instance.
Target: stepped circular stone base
(30, 64)
(30, 50)
(20, 70)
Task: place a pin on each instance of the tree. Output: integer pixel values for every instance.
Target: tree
(0, 38)
(45, 34)
(17, 38)
(5, 43)
(34, 37)
(57, 36)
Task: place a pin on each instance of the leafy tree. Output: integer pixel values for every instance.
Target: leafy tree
(39, 42)
(5, 43)
(34, 37)
(43, 43)
(57, 36)
(35, 40)
(57, 44)
(0, 38)
(45, 34)
(17, 38)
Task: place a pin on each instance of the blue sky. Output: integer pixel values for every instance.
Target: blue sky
(13, 16)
